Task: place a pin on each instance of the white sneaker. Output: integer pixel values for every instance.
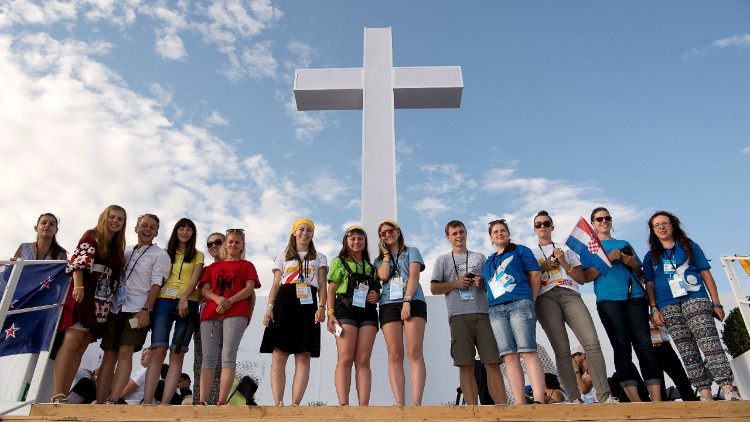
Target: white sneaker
(610, 399)
(574, 401)
(731, 395)
(704, 398)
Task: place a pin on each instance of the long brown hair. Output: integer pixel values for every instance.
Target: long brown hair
(344, 253)
(401, 243)
(106, 239)
(678, 234)
(291, 253)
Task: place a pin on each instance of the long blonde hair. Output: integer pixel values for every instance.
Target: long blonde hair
(106, 239)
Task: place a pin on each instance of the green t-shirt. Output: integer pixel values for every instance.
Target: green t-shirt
(338, 274)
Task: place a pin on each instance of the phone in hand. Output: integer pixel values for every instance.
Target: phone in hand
(337, 330)
(627, 250)
(133, 322)
(470, 275)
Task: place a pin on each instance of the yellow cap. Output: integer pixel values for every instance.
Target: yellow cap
(390, 223)
(300, 222)
(355, 227)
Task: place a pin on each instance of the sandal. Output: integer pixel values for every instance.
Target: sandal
(59, 398)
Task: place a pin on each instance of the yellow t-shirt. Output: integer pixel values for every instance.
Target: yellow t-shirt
(179, 277)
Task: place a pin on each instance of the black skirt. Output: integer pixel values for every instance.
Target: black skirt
(293, 329)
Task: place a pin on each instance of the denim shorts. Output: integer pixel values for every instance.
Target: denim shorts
(514, 326)
(165, 313)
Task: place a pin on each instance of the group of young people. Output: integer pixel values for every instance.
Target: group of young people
(119, 293)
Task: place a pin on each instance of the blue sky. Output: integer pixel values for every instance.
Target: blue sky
(186, 109)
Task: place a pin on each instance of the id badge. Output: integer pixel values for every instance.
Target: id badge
(397, 288)
(360, 295)
(121, 296)
(668, 266)
(496, 285)
(677, 286)
(171, 292)
(466, 294)
(304, 294)
(102, 291)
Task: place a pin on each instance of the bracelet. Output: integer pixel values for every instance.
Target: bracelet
(718, 305)
(654, 310)
(77, 287)
(329, 312)
(270, 305)
(148, 311)
(321, 306)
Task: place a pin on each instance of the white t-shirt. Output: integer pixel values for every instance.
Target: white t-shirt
(291, 272)
(136, 397)
(557, 277)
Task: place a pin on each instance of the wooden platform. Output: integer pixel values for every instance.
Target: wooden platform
(732, 411)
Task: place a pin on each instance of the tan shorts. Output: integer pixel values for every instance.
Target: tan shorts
(471, 333)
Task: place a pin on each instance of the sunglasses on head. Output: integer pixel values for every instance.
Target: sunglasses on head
(217, 243)
(540, 224)
(605, 218)
(240, 231)
(387, 232)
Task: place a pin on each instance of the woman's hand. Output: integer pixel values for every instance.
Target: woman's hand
(719, 313)
(330, 324)
(657, 317)
(268, 317)
(614, 255)
(628, 260)
(373, 296)
(222, 304)
(78, 293)
(182, 307)
(320, 315)
(383, 248)
(405, 311)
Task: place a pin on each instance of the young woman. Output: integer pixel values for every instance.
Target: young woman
(178, 304)
(95, 267)
(45, 246)
(352, 308)
(295, 311)
(227, 286)
(682, 293)
(623, 309)
(214, 247)
(403, 310)
(513, 278)
(560, 303)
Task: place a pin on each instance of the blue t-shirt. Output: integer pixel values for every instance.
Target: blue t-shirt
(521, 261)
(614, 284)
(653, 271)
(404, 258)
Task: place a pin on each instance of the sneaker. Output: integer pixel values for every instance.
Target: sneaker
(59, 398)
(731, 395)
(611, 399)
(574, 401)
(704, 398)
(110, 401)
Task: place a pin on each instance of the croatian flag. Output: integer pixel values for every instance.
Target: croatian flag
(586, 244)
(34, 331)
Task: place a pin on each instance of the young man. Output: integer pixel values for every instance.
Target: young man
(457, 275)
(147, 265)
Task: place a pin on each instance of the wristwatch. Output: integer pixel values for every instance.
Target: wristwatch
(407, 298)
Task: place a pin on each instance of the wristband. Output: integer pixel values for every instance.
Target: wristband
(148, 311)
(270, 305)
(329, 312)
(718, 305)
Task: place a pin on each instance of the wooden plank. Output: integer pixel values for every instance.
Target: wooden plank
(665, 411)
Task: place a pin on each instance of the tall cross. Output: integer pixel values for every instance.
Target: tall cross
(377, 88)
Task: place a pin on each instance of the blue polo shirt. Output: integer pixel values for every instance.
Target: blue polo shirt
(653, 271)
(517, 268)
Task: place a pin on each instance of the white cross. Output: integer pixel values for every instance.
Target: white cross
(377, 88)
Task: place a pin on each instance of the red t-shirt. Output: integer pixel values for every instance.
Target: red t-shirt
(226, 279)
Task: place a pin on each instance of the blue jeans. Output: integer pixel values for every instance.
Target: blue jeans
(626, 324)
(165, 313)
(514, 326)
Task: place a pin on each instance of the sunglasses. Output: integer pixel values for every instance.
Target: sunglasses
(387, 232)
(240, 231)
(541, 224)
(217, 243)
(605, 218)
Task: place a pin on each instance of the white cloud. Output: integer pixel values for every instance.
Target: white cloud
(216, 119)
(307, 124)
(74, 132)
(738, 41)
(326, 188)
(431, 206)
(258, 61)
(443, 178)
(746, 150)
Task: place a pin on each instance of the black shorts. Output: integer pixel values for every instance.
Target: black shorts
(349, 314)
(391, 312)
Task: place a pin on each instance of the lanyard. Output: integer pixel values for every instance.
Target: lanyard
(179, 276)
(545, 256)
(670, 256)
(394, 267)
(305, 265)
(135, 249)
(455, 266)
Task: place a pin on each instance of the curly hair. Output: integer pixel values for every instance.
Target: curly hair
(657, 249)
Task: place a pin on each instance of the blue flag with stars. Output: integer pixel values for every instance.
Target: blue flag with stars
(34, 331)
